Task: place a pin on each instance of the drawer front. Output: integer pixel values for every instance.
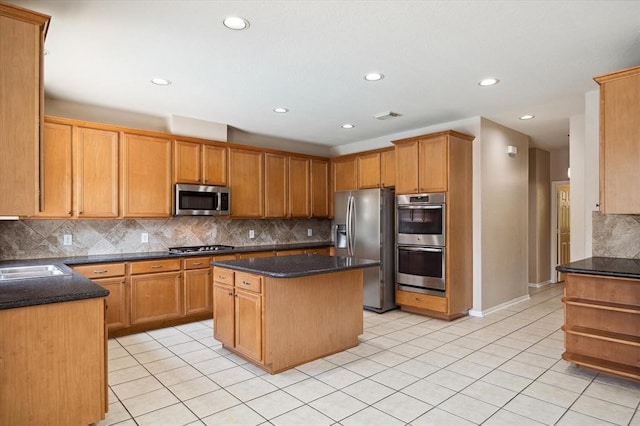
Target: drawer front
(153, 266)
(248, 282)
(101, 270)
(422, 301)
(222, 275)
(196, 262)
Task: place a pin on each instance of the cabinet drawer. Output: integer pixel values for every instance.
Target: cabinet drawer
(196, 262)
(101, 270)
(222, 275)
(248, 282)
(422, 301)
(153, 266)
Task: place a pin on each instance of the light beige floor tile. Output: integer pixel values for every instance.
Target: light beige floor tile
(450, 379)
(428, 392)
(191, 327)
(552, 394)
(469, 369)
(368, 391)
(618, 381)
(193, 388)
(485, 359)
(468, 408)
(251, 389)
(535, 409)
(239, 415)
(178, 375)
(339, 377)
(153, 355)
(371, 416)
(164, 332)
(286, 378)
(500, 350)
(193, 357)
(303, 415)
(214, 365)
(573, 418)
(403, 407)
(274, 404)
(174, 340)
(395, 379)
(604, 410)
(364, 350)
(388, 358)
(113, 344)
(338, 405)
(165, 364)
(211, 403)
(123, 362)
(127, 374)
(617, 395)
(136, 387)
(636, 419)
(454, 350)
(183, 348)
(174, 415)
(383, 342)
(425, 342)
(134, 339)
(507, 418)
(437, 358)
(341, 358)
(117, 413)
(521, 369)
(564, 381)
(416, 368)
(117, 352)
(440, 417)
(231, 376)
(507, 380)
(147, 346)
(365, 367)
(148, 402)
(489, 393)
(309, 390)
(565, 367)
(408, 350)
(541, 361)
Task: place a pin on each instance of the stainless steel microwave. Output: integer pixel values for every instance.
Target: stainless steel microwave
(201, 200)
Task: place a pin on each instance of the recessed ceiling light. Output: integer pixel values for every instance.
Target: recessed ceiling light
(374, 76)
(527, 117)
(348, 126)
(489, 82)
(160, 81)
(280, 110)
(235, 23)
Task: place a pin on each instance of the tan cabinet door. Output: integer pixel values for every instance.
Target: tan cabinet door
(299, 187)
(214, 165)
(275, 185)
(407, 163)
(320, 196)
(368, 170)
(116, 315)
(388, 169)
(156, 297)
(248, 323)
(345, 175)
(246, 182)
(146, 176)
(197, 291)
(96, 172)
(223, 314)
(55, 171)
(187, 161)
(433, 161)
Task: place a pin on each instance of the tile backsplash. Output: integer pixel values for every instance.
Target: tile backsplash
(35, 239)
(616, 235)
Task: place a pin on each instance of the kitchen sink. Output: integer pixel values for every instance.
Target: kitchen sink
(32, 271)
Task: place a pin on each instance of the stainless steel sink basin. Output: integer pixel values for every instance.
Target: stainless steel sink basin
(32, 271)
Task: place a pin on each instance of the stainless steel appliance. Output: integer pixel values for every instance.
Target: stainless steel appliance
(364, 228)
(421, 248)
(201, 200)
(421, 219)
(200, 249)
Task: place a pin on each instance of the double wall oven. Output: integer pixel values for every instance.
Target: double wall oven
(420, 243)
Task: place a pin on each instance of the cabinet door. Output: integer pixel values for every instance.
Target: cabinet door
(246, 183)
(433, 164)
(55, 171)
(275, 185)
(299, 196)
(369, 170)
(407, 173)
(223, 314)
(388, 169)
(248, 324)
(146, 176)
(197, 291)
(116, 316)
(95, 172)
(214, 166)
(156, 297)
(320, 188)
(344, 175)
(187, 161)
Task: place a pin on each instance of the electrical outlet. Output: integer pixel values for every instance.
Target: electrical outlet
(67, 240)
(144, 237)
(309, 232)
(252, 234)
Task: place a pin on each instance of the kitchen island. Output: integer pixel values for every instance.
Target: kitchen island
(280, 312)
(602, 314)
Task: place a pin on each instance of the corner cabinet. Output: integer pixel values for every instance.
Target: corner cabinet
(22, 35)
(619, 149)
(601, 323)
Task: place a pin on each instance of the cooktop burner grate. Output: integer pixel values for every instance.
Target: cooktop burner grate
(200, 249)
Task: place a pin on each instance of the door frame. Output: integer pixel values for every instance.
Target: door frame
(554, 225)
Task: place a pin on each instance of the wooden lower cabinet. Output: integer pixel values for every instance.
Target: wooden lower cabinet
(53, 364)
(256, 254)
(248, 324)
(156, 296)
(418, 302)
(602, 323)
(197, 285)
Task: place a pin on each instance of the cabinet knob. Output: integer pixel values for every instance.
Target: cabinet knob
(222, 277)
(230, 294)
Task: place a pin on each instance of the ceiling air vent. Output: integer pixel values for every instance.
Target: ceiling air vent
(386, 115)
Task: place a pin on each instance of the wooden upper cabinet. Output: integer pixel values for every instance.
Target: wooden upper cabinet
(275, 185)
(407, 170)
(299, 187)
(433, 163)
(199, 163)
(619, 147)
(146, 176)
(320, 196)
(388, 168)
(345, 174)
(55, 171)
(368, 166)
(95, 153)
(246, 182)
(21, 40)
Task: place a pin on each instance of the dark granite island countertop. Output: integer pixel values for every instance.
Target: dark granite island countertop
(296, 266)
(604, 266)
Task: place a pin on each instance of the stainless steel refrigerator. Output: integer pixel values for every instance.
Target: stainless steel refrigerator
(364, 227)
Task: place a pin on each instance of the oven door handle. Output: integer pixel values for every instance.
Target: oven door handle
(428, 249)
(420, 207)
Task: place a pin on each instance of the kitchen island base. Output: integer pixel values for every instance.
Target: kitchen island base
(279, 323)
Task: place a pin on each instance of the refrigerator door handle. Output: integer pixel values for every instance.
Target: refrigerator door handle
(349, 221)
(354, 225)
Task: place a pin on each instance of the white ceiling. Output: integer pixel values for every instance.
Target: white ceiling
(311, 56)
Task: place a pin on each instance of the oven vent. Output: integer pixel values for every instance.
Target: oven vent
(387, 115)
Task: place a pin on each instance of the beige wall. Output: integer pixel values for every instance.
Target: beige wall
(559, 159)
(539, 216)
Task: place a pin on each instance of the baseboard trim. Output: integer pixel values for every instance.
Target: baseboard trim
(542, 284)
(475, 313)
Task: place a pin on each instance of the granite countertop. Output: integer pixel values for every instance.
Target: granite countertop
(604, 266)
(39, 291)
(296, 266)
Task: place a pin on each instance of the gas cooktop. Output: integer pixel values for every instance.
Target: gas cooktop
(200, 249)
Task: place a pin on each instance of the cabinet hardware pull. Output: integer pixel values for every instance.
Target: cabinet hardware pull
(245, 282)
(418, 299)
(100, 271)
(222, 277)
(197, 263)
(230, 294)
(156, 266)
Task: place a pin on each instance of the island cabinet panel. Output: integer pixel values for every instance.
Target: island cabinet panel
(53, 364)
(223, 313)
(55, 171)
(156, 296)
(248, 324)
(246, 183)
(146, 176)
(602, 323)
